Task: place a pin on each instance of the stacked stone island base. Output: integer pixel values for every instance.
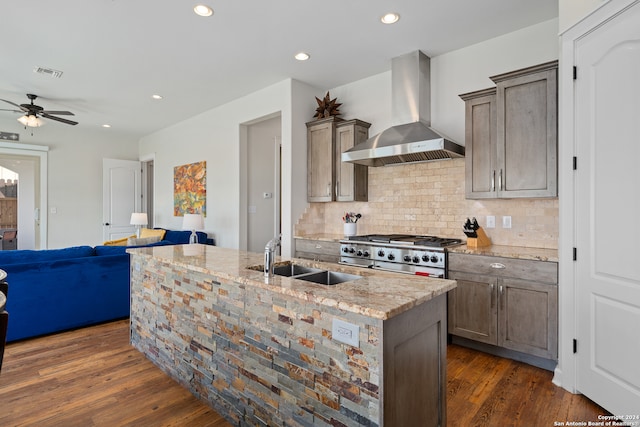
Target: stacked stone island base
(261, 351)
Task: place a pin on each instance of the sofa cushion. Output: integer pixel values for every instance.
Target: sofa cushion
(117, 250)
(182, 237)
(141, 241)
(117, 242)
(148, 232)
(31, 256)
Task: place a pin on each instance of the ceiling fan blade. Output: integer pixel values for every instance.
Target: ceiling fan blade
(15, 105)
(59, 119)
(14, 111)
(58, 113)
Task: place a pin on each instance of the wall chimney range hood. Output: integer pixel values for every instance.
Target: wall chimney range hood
(410, 139)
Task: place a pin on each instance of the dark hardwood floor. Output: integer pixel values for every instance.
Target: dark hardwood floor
(93, 377)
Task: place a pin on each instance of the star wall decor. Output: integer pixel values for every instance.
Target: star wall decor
(327, 107)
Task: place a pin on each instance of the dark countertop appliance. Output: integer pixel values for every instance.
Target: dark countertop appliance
(420, 255)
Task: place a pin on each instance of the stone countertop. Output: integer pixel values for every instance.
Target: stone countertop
(379, 294)
(518, 252)
(325, 237)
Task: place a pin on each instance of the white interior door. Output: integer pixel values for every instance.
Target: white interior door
(607, 212)
(121, 189)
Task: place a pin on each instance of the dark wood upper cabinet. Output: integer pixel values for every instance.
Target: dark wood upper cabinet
(511, 135)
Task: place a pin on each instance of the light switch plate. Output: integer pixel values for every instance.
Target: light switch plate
(506, 222)
(345, 332)
(491, 221)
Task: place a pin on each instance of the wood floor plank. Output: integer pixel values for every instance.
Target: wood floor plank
(94, 377)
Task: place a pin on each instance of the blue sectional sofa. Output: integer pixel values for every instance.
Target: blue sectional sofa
(59, 289)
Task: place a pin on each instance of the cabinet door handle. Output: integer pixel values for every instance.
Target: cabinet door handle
(318, 246)
(493, 181)
(500, 180)
(337, 186)
(493, 295)
(501, 290)
(497, 266)
(329, 189)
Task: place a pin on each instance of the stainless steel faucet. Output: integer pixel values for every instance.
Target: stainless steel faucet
(270, 255)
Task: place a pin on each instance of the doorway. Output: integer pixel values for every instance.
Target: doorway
(147, 189)
(29, 162)
(261, 178)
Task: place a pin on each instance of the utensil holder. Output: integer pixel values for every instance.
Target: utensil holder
(350, 228)
(479, 242)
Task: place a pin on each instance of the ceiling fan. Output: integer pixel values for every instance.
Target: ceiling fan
(32, 113)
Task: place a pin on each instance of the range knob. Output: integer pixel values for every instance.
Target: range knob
(351, 250)
(391, 257)
(380, 253)
(425, 258)
(416, 259)
(359, 253)
(434, 258)
(345, 250)
(366, 254)
(407, 258)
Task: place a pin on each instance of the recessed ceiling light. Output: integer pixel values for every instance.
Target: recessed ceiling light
(302, 56)
(106, 126)
(390, 18)
(156, 96)
(203, 10)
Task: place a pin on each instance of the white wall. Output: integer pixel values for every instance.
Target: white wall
(453, 73)
(571, 11)
(74, 176)
(468, 69)
(214, 137)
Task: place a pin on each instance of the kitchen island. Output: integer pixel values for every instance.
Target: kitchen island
(274, 351)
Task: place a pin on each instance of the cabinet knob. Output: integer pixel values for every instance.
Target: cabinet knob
(318, 246)
(497, 265)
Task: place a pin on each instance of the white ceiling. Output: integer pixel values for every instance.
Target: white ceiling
(116, 53)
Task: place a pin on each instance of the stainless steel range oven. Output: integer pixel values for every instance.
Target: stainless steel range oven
(420, 255)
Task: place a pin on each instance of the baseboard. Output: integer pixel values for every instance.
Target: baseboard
(540, 362)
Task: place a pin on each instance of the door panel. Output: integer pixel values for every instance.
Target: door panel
(472, 308)
(528, 317)
(121, 189)
(607, 205)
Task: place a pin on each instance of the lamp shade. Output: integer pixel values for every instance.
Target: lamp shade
(139, 218)
(192, 222)
(31, 121)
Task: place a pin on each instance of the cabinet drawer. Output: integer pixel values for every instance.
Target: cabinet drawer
(317, 250)
(539, 271)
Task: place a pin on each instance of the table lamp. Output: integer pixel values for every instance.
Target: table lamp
(138, 219)
(193, 222)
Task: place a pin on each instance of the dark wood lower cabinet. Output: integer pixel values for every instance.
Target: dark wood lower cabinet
(517, 313)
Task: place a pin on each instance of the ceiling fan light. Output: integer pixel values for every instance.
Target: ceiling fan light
(31, 121)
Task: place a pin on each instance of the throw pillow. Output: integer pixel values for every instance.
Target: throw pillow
(133, 241)
(117, 242)
(147, 232)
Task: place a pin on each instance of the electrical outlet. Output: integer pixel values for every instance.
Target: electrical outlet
(345, 332)
(506, 222)
(491, 221)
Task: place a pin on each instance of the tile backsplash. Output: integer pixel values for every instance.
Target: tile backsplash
(428, 198)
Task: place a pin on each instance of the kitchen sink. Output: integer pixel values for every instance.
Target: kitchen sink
(289, 270)
(309, 274)
(328, 277)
